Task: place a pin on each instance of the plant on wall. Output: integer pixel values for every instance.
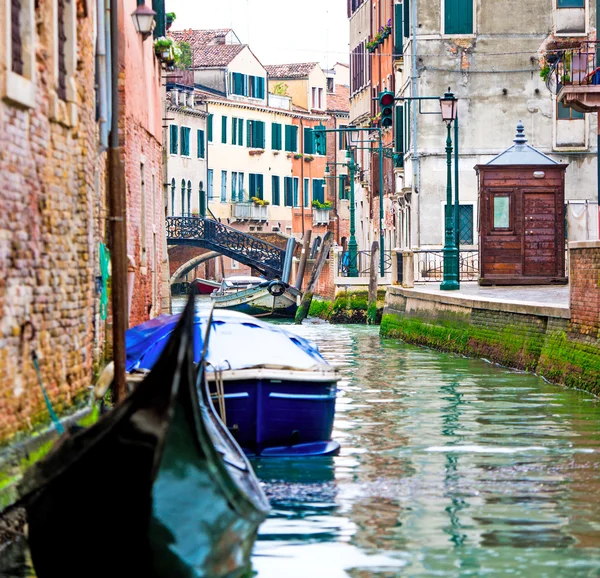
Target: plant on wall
(184, 61)
(280, 89)
(323, 206)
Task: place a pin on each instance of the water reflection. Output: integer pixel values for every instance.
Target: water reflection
(449, 467)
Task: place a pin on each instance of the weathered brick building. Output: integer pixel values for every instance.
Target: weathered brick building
(52, 199)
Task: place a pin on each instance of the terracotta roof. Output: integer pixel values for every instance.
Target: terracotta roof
(198, 38)
(215, 55)
(339, 101)
(296, 70)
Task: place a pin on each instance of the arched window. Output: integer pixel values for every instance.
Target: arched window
(189, 198)
(173, 185)
(201, 199)
(183, 197)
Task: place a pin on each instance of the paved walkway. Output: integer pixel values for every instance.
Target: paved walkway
(550, 295)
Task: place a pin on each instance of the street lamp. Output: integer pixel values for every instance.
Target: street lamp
(352, 244)
(143, 19)
(451, 280)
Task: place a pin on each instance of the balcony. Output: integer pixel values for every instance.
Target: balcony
(574, 76)
(250, 212)
(321, 216)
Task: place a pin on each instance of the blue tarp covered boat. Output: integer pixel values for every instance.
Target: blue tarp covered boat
(272, 388)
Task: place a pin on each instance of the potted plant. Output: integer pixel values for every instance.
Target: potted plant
(253, 152)
(163, 48)
(325, 206)
(386, 30)
(171, 17)
(309, 158)
(372, 45)
(298, 155)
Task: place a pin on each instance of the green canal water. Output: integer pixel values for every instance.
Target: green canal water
(449, 467)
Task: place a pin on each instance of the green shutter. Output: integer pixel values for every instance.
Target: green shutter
(209, 127)
(570, 4)
(249, 133)
(294, 138)
(174, 139)
(200, 144)
(399, 130)
(276, 136)
(309, 148)
(234, 126)
(458, 16)
(224, 129)
(260, 187)
(398, 30)
(275, 190)
(241, 132)
(406, 19)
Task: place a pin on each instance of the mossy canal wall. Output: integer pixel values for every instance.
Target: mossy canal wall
(534, 338)
(349, 306)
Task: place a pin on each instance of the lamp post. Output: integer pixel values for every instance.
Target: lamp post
(451, 269)
(352, 244)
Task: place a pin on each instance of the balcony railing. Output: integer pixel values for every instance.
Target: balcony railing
(575, 66)
(363, 263)
(250, 212)
(321, 216)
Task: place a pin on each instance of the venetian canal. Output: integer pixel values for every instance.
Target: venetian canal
(449, 467)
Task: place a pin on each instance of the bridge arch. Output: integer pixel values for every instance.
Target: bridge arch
(192, 264)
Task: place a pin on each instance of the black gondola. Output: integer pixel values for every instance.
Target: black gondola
(157, 488)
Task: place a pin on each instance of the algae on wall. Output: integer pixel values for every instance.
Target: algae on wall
(348, 307)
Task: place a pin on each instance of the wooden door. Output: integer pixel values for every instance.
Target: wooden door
(539, 234)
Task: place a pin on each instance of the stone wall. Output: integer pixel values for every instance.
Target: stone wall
(51, 221)
(529, 337)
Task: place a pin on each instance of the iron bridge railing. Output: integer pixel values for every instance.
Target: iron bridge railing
(216, 236)
(429, 265)
(363, 263)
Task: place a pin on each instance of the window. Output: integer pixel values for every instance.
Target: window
(223, 186)
(275, 190)
(241, 187)
(256, 186)
(309, 141)
(406, 18)
(319, 190)
(234, 183)
(276, 136)
(241, 132)
(256, 85)
(238, 84)
(185, 141)
(343, 138)
(201, 144)
(296, 199)
(291, 138)
(210, 184)
(321, 105)
(501, 212)
(224, 129)
(173, 139)
(182, 197)
(209, 127)
(65, 48)
(306, 192)
(565, 113)
(398, 30)
(189, 198)
(288, 192)
(173, 187)
(234, 125)
(343, 184)
(255, 134)
(399, 137)
(314, 97)
(570, 4)
(458, 16)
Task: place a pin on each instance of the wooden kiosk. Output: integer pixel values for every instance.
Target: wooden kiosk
(521, 217)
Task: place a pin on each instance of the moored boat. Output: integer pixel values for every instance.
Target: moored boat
(157, 484)
(271, 387)
(205, 286)
(257, 296)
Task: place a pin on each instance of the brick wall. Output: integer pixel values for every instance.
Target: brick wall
(325, 285)
(584, 278)
(51, 220)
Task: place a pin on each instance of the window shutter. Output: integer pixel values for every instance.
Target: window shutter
(458, 17)
(399, 130)
(173, 139)
(276, 136)
(306, 192)
(249, 133)
(241, 132)
(259, 187)
(209, 127)
(295, 192)
(275, 190)
(200, 144)
(294, 133)
(234, 126)
(398, 30)
(224, 129)
(261, 142)
(308, 141)
(288, 138)
(406, 19)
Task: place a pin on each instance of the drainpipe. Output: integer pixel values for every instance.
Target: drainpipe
(301, 172)
(334, 188)
(117, 218)
(414, 93)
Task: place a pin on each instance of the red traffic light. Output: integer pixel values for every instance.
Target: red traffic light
(386, 99)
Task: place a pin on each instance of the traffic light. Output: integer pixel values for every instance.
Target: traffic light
(320, 139)
(386, 108)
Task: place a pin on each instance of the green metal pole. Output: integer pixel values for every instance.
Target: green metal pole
(450, 282)
(381, 239)
(352, 245)
(456, 201)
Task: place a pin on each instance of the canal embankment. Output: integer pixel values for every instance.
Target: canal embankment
(527, 328)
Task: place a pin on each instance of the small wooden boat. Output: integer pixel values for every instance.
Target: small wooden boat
(205, 286)
(273, 388)
(256, 296)
(156, 488)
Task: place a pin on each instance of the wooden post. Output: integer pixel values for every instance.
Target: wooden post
(308, 294)
(303, 258)
(372, 305)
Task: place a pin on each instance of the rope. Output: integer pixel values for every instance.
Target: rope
(104, 255)
(59, 427)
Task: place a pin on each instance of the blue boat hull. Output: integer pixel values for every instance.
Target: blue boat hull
(271, 417)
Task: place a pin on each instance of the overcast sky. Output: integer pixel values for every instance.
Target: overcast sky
(278, 31)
